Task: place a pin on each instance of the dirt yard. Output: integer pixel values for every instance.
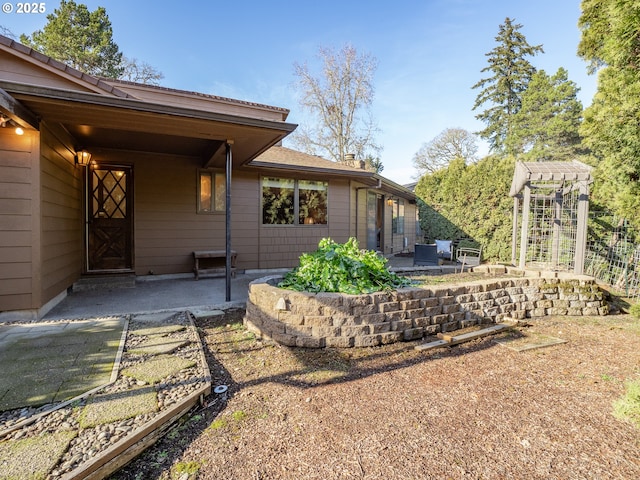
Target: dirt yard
(474, 411)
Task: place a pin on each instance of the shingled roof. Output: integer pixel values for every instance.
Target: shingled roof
(282, 158)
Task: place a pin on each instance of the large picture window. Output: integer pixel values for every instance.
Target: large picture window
(211, 192)
(293, 202)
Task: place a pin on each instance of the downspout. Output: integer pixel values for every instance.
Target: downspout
(228, 222)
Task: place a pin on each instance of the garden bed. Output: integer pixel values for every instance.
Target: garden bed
(318, 320)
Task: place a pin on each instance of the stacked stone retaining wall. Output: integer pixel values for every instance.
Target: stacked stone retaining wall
(317, 320)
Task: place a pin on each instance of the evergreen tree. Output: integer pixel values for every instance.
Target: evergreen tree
(80, 39)
(511, 72)
(610, 44)
(546, 126)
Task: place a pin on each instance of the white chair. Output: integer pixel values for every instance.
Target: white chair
(470, 257)
(444, 248)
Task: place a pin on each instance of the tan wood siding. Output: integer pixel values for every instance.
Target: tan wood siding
(166, 224)
(358, 208)
(245, 214)
(61, 214)
(213, 104)
(18, 220)
(339, 211)
(21, 71)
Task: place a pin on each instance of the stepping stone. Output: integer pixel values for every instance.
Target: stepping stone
(113, 407)
(201, 314)
(147, 330)
(157, 345)
(157, 368)
(19, 461)
(161, 317)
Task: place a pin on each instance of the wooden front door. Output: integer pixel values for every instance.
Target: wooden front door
(109, 218)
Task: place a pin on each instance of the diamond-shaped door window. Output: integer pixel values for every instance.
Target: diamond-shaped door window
(109, 194)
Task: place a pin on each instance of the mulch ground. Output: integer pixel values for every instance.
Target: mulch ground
(474, 411)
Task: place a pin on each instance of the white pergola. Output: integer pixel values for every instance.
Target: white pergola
(552, 199)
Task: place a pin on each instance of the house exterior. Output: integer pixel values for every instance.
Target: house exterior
(169, 172)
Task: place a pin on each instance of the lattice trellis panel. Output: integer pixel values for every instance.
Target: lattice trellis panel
(551, 237)
(613, 254)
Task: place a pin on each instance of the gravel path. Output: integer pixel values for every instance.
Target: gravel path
(90, 441)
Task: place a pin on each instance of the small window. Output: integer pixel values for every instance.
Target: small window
(293, 202)
(211, 192)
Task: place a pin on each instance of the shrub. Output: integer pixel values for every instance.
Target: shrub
(343, 268)
(470, 202)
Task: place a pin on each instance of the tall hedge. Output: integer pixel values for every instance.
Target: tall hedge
(470, 202)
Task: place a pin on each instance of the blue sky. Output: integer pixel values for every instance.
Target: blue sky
(429, 52)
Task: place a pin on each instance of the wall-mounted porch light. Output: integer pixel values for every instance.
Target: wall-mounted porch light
(7, 122)
(390, 201)
(82, 157)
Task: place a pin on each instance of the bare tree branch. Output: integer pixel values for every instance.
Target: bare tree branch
(448, 145)
(339, 100)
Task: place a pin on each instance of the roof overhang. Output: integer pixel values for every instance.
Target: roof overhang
(363, 176)
(100, 121)
(551, 172)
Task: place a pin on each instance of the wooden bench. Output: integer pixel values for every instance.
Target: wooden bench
(204, 255)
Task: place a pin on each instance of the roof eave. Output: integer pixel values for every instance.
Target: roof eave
(361, 176)
(141, 106)
(395, 188)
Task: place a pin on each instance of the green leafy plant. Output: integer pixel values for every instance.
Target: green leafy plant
(343, 268)
(628, 407)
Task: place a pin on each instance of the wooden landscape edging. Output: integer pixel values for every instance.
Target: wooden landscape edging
(450, 340)
(121, 453)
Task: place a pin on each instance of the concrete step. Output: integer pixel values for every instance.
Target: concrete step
(100, 282)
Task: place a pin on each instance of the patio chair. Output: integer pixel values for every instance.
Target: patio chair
(468, 256)
(445, 249)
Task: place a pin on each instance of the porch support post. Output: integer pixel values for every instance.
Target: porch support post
(228, 221)
(524, 231)
(581, 233)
